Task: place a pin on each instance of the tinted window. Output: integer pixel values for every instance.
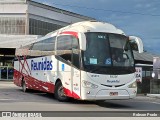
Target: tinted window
(97, 49)
(107, 53)
(68, 49)
(43, 48)
(64, 42)
(75, 44)
(75, 52)
(64, 47)
(45, 45)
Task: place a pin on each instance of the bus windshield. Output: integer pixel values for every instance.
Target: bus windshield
(107, 50)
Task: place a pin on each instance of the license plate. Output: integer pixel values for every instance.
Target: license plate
(113, 93)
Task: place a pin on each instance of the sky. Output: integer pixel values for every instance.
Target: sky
(140, 18)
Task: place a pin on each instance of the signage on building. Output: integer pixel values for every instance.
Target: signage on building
(139, 74)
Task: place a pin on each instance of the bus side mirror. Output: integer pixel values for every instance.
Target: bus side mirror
(82, 41)
(138, 42)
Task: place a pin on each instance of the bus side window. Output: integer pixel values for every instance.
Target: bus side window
(48, 47)
(36, 49)
(44, 47)
(64, 47)
(75, 52)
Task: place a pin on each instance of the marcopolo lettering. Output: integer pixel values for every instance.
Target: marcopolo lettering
(44, 64)
(113, 81)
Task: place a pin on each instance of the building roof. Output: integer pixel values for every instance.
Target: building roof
(52, 8)
(49, 7)
(145, 57)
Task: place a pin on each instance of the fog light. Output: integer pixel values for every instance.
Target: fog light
(88, 92)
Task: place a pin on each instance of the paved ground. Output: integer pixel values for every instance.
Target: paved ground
(13, 99)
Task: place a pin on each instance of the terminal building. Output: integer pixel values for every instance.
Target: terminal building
(22, 21)
(26, 17)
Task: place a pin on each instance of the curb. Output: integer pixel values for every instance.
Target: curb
(6, 80)
(154, 95)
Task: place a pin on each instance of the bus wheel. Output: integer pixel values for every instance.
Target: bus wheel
(59, 93)
(100, 101)
(24, 86)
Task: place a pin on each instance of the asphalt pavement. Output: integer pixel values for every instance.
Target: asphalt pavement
(12, 98)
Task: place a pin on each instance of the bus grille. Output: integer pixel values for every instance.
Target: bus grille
(113, 85)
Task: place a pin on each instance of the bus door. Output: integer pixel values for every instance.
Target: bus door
(68, 53)
(75, 71)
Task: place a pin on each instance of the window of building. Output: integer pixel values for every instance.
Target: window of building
(148, 73)
(12, 25)
(37, 27)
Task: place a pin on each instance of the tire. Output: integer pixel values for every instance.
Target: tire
(59, 94)
(24, 89)
(100, 101)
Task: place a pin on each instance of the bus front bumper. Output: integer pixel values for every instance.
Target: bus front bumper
(110, 94)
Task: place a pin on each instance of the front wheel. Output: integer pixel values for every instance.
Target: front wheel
(59, 93)
(100, 101)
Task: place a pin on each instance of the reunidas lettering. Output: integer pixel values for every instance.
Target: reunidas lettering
(44, 64)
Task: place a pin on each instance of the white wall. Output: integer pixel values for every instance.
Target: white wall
(16, 41)
(13, 8)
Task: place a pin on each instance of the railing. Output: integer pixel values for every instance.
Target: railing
(6, 73)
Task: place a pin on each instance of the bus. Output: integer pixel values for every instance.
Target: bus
(88, 60)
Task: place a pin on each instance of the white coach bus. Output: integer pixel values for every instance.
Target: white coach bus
(87, 60)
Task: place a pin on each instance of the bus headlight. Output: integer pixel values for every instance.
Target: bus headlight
(133, 85)
(89, 84)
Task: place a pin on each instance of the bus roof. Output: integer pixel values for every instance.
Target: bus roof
(89, 26)
(84, 26)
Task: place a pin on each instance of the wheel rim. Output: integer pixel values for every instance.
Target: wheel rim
(61, 92)
(24, 86)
